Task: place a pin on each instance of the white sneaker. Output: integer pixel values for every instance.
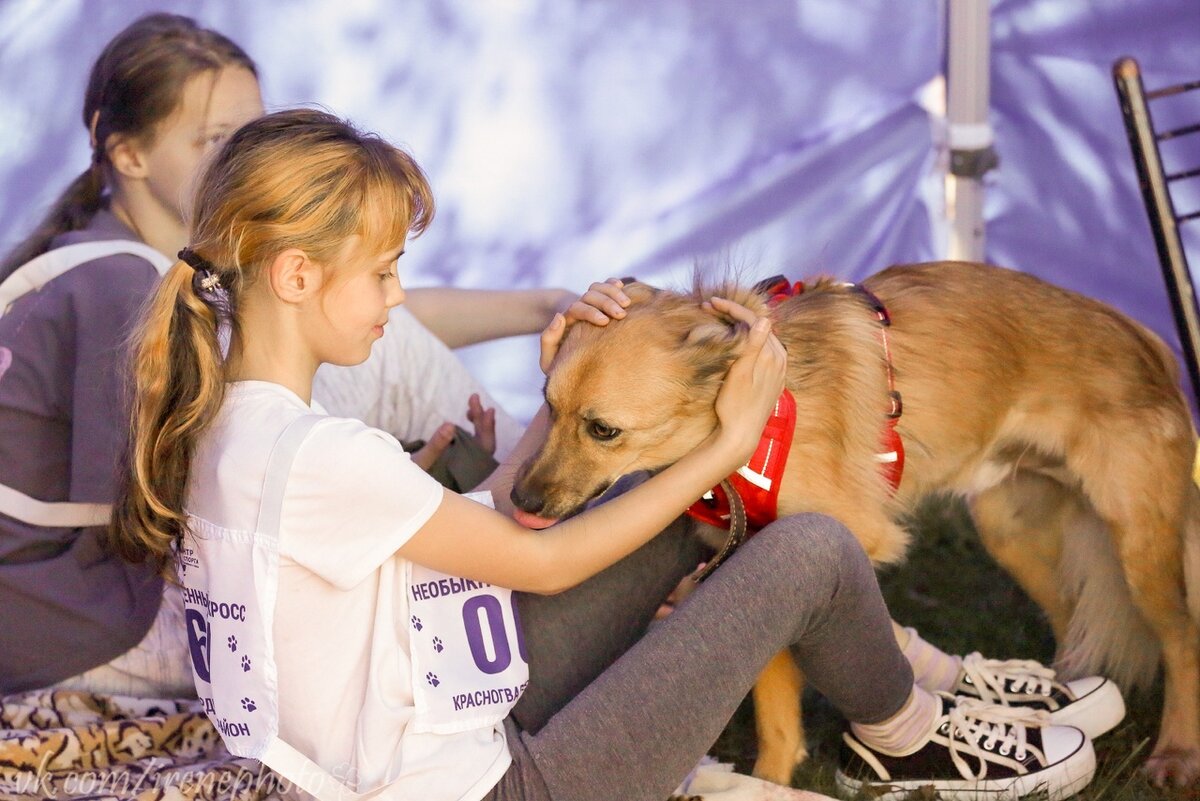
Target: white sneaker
(974, 751)
(716, 781)
(1093, 705)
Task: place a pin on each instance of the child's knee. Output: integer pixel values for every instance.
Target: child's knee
(820, 543)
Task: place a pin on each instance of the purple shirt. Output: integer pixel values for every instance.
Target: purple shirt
(66, 604)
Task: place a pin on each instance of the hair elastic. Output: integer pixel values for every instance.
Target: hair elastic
(207, 285)
(207, 280)
(195, 260)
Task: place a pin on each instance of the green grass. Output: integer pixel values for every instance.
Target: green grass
(952, 592)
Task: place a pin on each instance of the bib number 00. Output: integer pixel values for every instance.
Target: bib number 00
(487, 608)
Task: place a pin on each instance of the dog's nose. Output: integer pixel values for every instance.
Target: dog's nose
(527, 499)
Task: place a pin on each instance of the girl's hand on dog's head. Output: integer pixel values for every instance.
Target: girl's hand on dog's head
(730, 308)
(751, 387)
(602, 302)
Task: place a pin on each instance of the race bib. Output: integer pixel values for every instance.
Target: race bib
(468, 655)
(227, 637)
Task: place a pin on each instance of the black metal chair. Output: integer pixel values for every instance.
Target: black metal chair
(1156, 185)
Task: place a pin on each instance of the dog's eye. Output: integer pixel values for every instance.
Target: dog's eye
(598, 430)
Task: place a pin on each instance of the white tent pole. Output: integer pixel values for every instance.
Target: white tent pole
(969, 134)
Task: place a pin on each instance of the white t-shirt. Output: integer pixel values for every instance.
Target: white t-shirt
(341, 630)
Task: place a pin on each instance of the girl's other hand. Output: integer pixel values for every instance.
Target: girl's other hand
(603, 301)
(753, 383)
(434, 447)
(484, 421)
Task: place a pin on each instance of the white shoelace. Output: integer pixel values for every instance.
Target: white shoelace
(989, 676)
(984, 729)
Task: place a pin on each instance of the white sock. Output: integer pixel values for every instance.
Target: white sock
(933, 669)
(906, 731)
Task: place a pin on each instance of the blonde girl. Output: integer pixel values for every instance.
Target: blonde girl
(367, 634)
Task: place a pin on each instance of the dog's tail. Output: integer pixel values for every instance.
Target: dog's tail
(1107, 634)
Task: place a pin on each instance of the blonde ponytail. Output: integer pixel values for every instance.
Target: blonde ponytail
(179, 382)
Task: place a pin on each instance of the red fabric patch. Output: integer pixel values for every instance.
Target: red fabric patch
(758, 481)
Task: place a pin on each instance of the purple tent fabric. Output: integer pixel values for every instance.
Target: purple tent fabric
(1064, 203)
(567, 142)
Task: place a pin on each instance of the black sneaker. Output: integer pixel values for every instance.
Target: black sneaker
(1093, 705)
(975, 751)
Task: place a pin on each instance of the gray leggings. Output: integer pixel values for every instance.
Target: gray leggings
(614, 711)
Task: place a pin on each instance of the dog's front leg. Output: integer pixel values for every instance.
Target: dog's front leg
(781, 743)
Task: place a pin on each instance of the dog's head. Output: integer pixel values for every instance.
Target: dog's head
(636, 394)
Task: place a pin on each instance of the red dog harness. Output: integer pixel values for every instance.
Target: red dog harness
(757, 482)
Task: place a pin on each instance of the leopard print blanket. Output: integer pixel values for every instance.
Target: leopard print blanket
(63, 744)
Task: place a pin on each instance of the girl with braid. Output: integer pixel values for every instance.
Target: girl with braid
(159, 97)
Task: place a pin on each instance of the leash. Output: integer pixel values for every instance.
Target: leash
(709, 509)
(738, 532)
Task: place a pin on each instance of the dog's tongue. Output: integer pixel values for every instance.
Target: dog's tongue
(531, 520)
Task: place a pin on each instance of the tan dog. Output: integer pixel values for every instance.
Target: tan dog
(1059, 419)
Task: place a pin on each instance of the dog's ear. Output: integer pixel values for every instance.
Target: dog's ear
(718, 331)
(712, 344)
(639, 292)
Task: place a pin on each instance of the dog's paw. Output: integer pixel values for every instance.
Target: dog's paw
(1173, 766)
(776, 768)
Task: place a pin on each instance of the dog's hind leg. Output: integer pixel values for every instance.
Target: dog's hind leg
(1156, 584)
(1021, 522)
(1149, 504)
(781, 743)
(1177, 752)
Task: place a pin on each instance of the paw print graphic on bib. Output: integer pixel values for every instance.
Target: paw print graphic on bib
(228, 645)
(468, 654)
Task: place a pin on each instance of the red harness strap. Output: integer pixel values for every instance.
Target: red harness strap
(757, 483)
(778, 289)
(892, 456)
